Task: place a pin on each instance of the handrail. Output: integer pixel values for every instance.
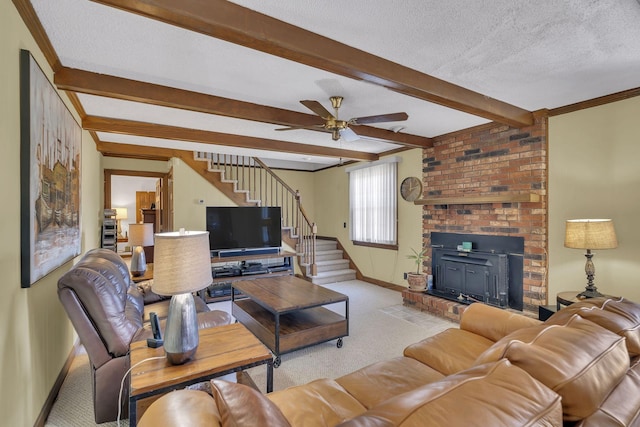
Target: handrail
(263, 187)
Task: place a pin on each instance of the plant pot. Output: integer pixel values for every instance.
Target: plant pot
(417, 282)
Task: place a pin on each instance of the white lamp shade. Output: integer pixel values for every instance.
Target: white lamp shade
(141, 234)
(590, 234)
(121, 213)
(181, 262)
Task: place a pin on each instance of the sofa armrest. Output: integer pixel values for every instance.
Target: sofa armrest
(192, 408)
(493, 323)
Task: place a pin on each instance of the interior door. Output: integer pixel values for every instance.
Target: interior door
(144, 199)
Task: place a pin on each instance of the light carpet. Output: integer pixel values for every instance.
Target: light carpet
(380, 327)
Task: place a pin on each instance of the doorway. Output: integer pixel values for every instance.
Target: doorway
(139, 193)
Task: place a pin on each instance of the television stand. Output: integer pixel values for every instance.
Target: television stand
(248, 258)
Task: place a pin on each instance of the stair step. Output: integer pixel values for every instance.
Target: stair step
(323, 245)
(333, 264)
(328, 255)
(334, 276)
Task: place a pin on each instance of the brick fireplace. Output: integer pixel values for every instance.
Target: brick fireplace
(489, 180)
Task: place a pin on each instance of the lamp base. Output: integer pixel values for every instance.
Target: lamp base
(138, 261)
(181, 332)
(589, 293)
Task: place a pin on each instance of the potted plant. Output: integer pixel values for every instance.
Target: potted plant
(418, 280)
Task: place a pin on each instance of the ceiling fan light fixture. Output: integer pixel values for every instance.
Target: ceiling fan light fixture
(336, 101)
(335, 134)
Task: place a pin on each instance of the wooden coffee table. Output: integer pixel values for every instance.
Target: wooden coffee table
(286, 313)
(222, 350)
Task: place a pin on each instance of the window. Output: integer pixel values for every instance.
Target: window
(373, 202)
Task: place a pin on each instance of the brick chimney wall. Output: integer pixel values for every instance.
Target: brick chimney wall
(491, 160)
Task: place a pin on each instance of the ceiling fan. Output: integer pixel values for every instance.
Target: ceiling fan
(341, 128)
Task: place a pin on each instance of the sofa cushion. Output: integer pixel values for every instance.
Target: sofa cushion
(319, 403)
(580, 360)
(191, 408)
(240, 406)
(493, 323)
(380, 381)
(622, 407)
(618, 315)
(450, 351)
(496, 394)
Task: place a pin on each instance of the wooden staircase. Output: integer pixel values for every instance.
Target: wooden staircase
(331, 266)
(249, 182)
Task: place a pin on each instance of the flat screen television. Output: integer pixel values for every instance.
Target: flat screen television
(243, 228)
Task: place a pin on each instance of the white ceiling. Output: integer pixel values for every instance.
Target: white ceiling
(534, 55)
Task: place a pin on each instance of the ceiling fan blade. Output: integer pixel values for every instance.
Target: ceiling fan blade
(314, 127)
(349, 135)
(395, 117)
(317, 108)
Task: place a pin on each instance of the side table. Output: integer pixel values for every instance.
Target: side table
(566, 298)
(148, 275)
(546, 311)
(222, 350)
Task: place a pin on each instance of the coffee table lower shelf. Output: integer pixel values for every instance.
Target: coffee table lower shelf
(286, 332)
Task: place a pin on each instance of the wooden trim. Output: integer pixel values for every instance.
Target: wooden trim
(236, 24)
(57, 385)
(493, 198)
(590, 103)
(153, 130)
(30, 18)
(108, 173)
(131, 90)
(375, 245)
(383, 284)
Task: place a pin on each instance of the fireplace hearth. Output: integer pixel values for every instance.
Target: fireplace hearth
(491, 271)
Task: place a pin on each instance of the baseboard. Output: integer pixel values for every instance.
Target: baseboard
(383, 284)
(53, 394)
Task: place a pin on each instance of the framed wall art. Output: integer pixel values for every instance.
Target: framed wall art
(50, 144)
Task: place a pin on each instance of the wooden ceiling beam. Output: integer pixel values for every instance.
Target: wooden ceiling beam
(153, 130)
(131, 151)
(81, 81)
(236, 24)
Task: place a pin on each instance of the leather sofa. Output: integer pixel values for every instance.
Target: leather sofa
(579, 368)
(109, 312)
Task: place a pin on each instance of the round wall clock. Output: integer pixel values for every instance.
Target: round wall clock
(411, 188)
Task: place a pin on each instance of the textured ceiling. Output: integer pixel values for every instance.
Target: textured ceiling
(533, 55)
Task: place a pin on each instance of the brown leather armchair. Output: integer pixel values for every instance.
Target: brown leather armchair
(108, 313)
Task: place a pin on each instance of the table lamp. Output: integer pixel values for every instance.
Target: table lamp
(182, 265)
(140, 235)
(590, 234)
(121, 213)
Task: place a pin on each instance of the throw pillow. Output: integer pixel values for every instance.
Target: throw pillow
(240, 406)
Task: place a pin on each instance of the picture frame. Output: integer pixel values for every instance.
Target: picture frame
(50, 157)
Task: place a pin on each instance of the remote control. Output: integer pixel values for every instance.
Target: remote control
(155, 325)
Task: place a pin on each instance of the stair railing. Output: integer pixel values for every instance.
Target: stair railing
(264, 188)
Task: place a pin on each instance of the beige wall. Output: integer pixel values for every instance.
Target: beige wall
(594, 172)
(188, 188)
(36, 336)
(136, 165)
(332, 194)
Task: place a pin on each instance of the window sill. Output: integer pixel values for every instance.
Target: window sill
(376, 245)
